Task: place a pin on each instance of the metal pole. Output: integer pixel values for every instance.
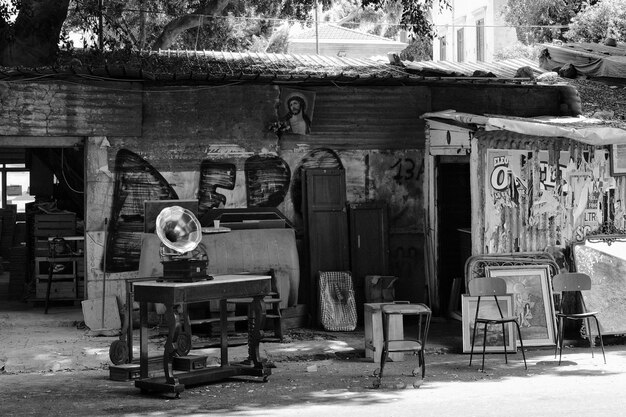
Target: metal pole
(317, 36)
(100, 24)
(104, 270)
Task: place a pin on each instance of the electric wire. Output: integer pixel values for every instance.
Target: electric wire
(63, 174)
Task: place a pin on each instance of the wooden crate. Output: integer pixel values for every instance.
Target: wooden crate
(61, 289)
(58, 224)
(42, 269)
(295, 316)
(374, 332)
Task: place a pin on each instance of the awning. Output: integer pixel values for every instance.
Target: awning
(586, 130)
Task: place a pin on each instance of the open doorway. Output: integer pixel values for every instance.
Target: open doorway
(453, 198)
(35, 181)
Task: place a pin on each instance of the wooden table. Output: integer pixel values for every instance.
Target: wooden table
(176, 296)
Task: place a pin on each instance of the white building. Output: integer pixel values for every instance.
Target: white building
(471, 32)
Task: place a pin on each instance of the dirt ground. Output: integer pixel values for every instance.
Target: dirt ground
(298, 384)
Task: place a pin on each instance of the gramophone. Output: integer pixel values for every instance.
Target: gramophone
(183, 256)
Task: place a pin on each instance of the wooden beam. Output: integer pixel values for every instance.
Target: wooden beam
(41, 141)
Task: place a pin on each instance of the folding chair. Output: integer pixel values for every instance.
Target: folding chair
(574, 281)
(491, 287)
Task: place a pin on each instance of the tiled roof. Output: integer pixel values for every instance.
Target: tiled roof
(331, 32)
(201, 67)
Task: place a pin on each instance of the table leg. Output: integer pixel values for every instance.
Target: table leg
(129, 320)
(255, 312)
(143, 339)
(170, 349)
(51, 266)
(223, 333)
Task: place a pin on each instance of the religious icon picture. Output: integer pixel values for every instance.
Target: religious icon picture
(296, 109)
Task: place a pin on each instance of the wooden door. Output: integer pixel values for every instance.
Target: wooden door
(369, 245)
(326, 227)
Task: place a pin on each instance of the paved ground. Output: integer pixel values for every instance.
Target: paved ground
(53, 368)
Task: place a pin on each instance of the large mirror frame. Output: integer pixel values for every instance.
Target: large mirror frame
(603, 257)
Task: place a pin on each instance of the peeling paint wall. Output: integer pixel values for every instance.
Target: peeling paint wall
(540, 192)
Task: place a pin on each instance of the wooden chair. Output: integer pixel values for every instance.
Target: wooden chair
(492, 287)
(574, 281)
(416, 345)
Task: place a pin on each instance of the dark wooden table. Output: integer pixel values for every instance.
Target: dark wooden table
(176, 296)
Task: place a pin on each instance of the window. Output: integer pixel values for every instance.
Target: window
(442, 48)
(480, 40)
(15, 186)
(460, 56)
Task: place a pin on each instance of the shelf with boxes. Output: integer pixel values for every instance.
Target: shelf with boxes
(55, 245)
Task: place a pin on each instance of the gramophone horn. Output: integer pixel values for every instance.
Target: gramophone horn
(178, 229)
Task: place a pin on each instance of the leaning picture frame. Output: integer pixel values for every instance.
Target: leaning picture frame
(532, 301)
(618, 160)
(488, 308)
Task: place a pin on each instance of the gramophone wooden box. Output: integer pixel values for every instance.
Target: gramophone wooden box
(185, 270)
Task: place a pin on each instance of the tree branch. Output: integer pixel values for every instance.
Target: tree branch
(180, 24)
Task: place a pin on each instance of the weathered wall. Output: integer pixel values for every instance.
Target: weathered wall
(180, 138)
(377, 141)
(57, 109)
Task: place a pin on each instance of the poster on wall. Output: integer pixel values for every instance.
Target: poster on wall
(525, 194)
(506, 182)
(296, 109)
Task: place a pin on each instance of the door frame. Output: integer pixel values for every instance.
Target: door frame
(450, 142)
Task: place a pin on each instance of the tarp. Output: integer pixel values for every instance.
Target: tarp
(588, 59)
(582, 129)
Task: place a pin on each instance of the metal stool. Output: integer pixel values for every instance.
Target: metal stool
(416, 345)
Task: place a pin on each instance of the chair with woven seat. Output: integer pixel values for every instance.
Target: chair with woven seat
(416, 344)
(574, 281)
(492, 287)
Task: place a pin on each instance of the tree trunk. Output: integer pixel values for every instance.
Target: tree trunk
(34, 41)
(190, 21)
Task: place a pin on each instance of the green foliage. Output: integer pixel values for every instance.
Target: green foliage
(524, 14)
(114, 25)
(418, 50)
(594, 23)
(415, 14)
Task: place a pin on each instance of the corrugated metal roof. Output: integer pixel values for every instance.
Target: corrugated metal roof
(331, 32)
(181, 66)
(590, 131)
(592, 50)
(502, 69)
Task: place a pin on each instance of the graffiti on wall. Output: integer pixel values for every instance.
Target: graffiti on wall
(406, 169)
(214, 175)
(135, 182)
(267, 180)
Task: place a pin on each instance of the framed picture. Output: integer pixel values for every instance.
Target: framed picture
(296, 109)
(532, 301)
(618, 160)
(495, 338)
